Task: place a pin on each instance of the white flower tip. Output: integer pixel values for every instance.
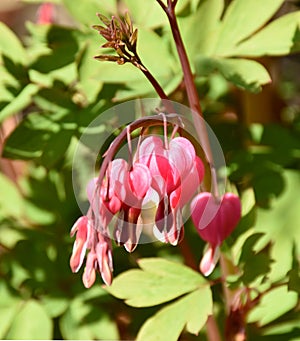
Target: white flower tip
(209, 260)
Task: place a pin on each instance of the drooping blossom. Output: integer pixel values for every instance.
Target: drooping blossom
(104, 203)
(130, 185)
(214, 220)
(169, 171)
(176, 173)
(99, 257)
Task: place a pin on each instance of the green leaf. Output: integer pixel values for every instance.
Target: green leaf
(273, 305)
(45, 137)
(56, 148)
(9, 306)
(55, 306)
(11, 204)
(21, 101)
(146, 13)
(11, 46)
(85, 12)
(191, 311)
(25, 142)
(294, 274)
(254, 264)
(86, 319)
(157, 282)
(245, 74)
(263, 42)
(280, 226)
(207, 21)
(242, 18)
(56, 46)
(31, 322)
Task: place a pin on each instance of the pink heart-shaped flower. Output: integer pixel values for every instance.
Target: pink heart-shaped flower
(214, 220)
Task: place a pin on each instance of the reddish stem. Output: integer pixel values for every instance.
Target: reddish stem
(191, 90)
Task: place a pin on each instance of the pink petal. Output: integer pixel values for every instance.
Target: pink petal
(209, 260)
(214, 220)
(90, 189)
(80, 245)
(89, 274)
(139, 180)
(181, 155)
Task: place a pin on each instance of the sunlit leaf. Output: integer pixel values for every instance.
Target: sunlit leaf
(241, 19)
(85, 12)
(9, 306)
(280, 225)
(21, 101)
(207, 21)
(158, 281)
(273, 304)
(246, 74)
(31, 322)
(84, 320)
(191, 312)
(11, 46)
(254, 264)
(263, 42)
(11, 204)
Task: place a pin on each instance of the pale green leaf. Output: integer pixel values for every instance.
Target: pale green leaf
(191, 311)
(248, 201)
(31, 322)
(9, 306)
(200, 30)
(84, 321)
(275, 39)
(11, 46)
(21, 101)
(273, 305)
(146, 13)
(195, 4)
(280, 226)
(55, 306)
(241, 19)
(9, 236)
(159, 281)
(11, 204)
(246, 74)
(85, 11)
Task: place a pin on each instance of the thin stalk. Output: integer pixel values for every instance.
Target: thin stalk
(157, 87)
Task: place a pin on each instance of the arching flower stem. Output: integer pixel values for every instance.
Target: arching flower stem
(191, 90)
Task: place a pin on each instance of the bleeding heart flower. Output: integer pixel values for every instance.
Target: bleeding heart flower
(99, 257)
(176, 173)
(130, 186)
(214, 221)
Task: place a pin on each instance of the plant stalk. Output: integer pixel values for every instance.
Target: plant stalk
(191, 90)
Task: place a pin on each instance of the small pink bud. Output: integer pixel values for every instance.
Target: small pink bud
(81, 228)
(89, 274)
